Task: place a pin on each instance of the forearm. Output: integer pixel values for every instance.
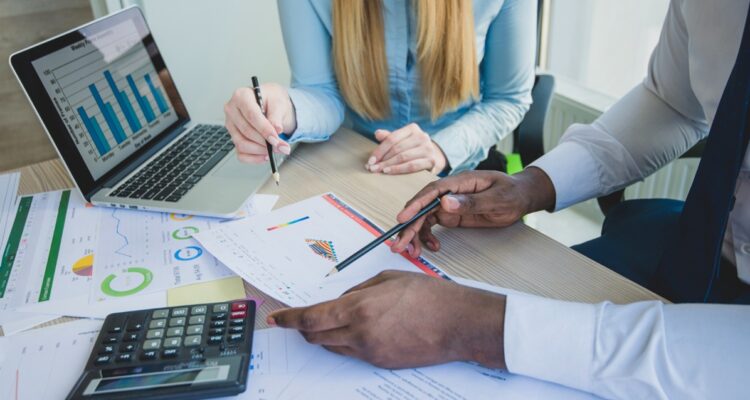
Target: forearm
(639, 350)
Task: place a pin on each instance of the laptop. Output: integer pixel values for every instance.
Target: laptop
(113, 113)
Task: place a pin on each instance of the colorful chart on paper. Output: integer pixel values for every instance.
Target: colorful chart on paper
(323, 248)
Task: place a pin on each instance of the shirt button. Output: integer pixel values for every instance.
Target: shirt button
(745, 248)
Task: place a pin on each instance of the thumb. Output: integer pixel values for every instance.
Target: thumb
(381, 134)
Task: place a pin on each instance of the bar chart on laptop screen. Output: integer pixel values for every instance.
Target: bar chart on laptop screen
(108, 94)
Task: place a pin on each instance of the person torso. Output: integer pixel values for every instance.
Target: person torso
(714, 32)
(407, 102)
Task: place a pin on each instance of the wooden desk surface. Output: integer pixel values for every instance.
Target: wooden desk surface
(516, 257)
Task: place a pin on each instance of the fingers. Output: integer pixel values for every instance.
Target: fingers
(467, 182)
(339, 337)
(476, 203)
(248, 118)
(388, 141)
(320, 317)
(409, 167)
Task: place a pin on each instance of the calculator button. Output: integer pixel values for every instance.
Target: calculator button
(157, 323)
(216, 331)
(214, 339)
(235, 337)
(198, 319)
(155, 334)
(125, 357)
(127, 348)
(177, 322)
(136, 322)
(149, 355)
(236, 329)
(115, 329)
(102, 360)
(237, 322)
(159, 314)
(239, 306)
(195, 330)
(170, 353)
(173, 342)
(198, 310)
(180, 312)
(130, 337)
(191, 341)
(218, 324)
(171, 332)
(238, 314)
(218, 316)
(109, 340)
(152, 344)
(107, 349)
(221, 308)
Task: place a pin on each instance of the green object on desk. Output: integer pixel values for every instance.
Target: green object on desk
(514, 163)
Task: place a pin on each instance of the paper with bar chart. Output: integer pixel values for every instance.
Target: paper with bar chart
(144, 252)
(287, 253)
(49, 252)
(108, 94)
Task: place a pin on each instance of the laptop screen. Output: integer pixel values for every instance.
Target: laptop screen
(104, 95)
(108, 94)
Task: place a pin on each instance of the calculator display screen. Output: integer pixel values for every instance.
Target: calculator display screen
(158, 379)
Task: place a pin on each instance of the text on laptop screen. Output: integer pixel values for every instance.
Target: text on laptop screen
(108, 94)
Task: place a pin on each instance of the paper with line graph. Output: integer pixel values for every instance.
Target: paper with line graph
(287, 253)
(144, 252)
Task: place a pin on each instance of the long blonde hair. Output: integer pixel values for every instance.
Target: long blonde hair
(446, 55)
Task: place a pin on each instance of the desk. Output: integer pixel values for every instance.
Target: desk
(516, 257)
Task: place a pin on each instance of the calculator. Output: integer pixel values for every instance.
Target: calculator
(189, 352)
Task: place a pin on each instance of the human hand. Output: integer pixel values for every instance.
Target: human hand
(403, 319)
(479, 199)
(406, 150)
(250, 128)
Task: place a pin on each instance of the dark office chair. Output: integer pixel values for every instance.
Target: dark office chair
(528, 137)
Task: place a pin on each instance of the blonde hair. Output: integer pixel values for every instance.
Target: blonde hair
(446, 55)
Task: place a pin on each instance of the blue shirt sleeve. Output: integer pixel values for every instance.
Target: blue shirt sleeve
(314, 92)
(507, 77)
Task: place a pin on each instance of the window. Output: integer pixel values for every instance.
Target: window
(602, 45)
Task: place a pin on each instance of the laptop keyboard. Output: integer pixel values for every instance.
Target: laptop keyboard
(173, 173)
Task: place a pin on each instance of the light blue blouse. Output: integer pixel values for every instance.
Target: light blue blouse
(506, 45)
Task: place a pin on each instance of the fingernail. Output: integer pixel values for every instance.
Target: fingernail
(374, 167)
(451, 202)
(284, 148)
(265, 158)
(372, 160)
(410, 249)
(386, 170)
(270, 321)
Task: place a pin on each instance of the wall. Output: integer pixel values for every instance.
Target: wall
(25, 22)
(211, 48)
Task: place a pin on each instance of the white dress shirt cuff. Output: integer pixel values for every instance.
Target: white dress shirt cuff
(550, 339)
(572, 171)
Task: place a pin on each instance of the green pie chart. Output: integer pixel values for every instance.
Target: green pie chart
(107, 288)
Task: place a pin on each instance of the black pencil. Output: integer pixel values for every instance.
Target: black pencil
(382, 238)
(271, 159)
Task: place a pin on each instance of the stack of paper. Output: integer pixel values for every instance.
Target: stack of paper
(64, 257)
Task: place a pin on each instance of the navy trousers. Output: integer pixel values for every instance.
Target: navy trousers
(632, 242)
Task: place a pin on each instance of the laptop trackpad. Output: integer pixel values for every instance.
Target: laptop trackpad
(231, 167)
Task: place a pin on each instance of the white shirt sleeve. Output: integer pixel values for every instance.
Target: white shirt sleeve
(652, 125)
(645, 350)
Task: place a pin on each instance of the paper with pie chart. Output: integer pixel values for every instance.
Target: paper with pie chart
(287, 253)
(49, 253)
(145, 252)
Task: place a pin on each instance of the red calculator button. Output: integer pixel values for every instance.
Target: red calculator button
(239, 306)
(238, 314)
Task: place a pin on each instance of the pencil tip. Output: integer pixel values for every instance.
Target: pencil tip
(276, 178)
(331, 272)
